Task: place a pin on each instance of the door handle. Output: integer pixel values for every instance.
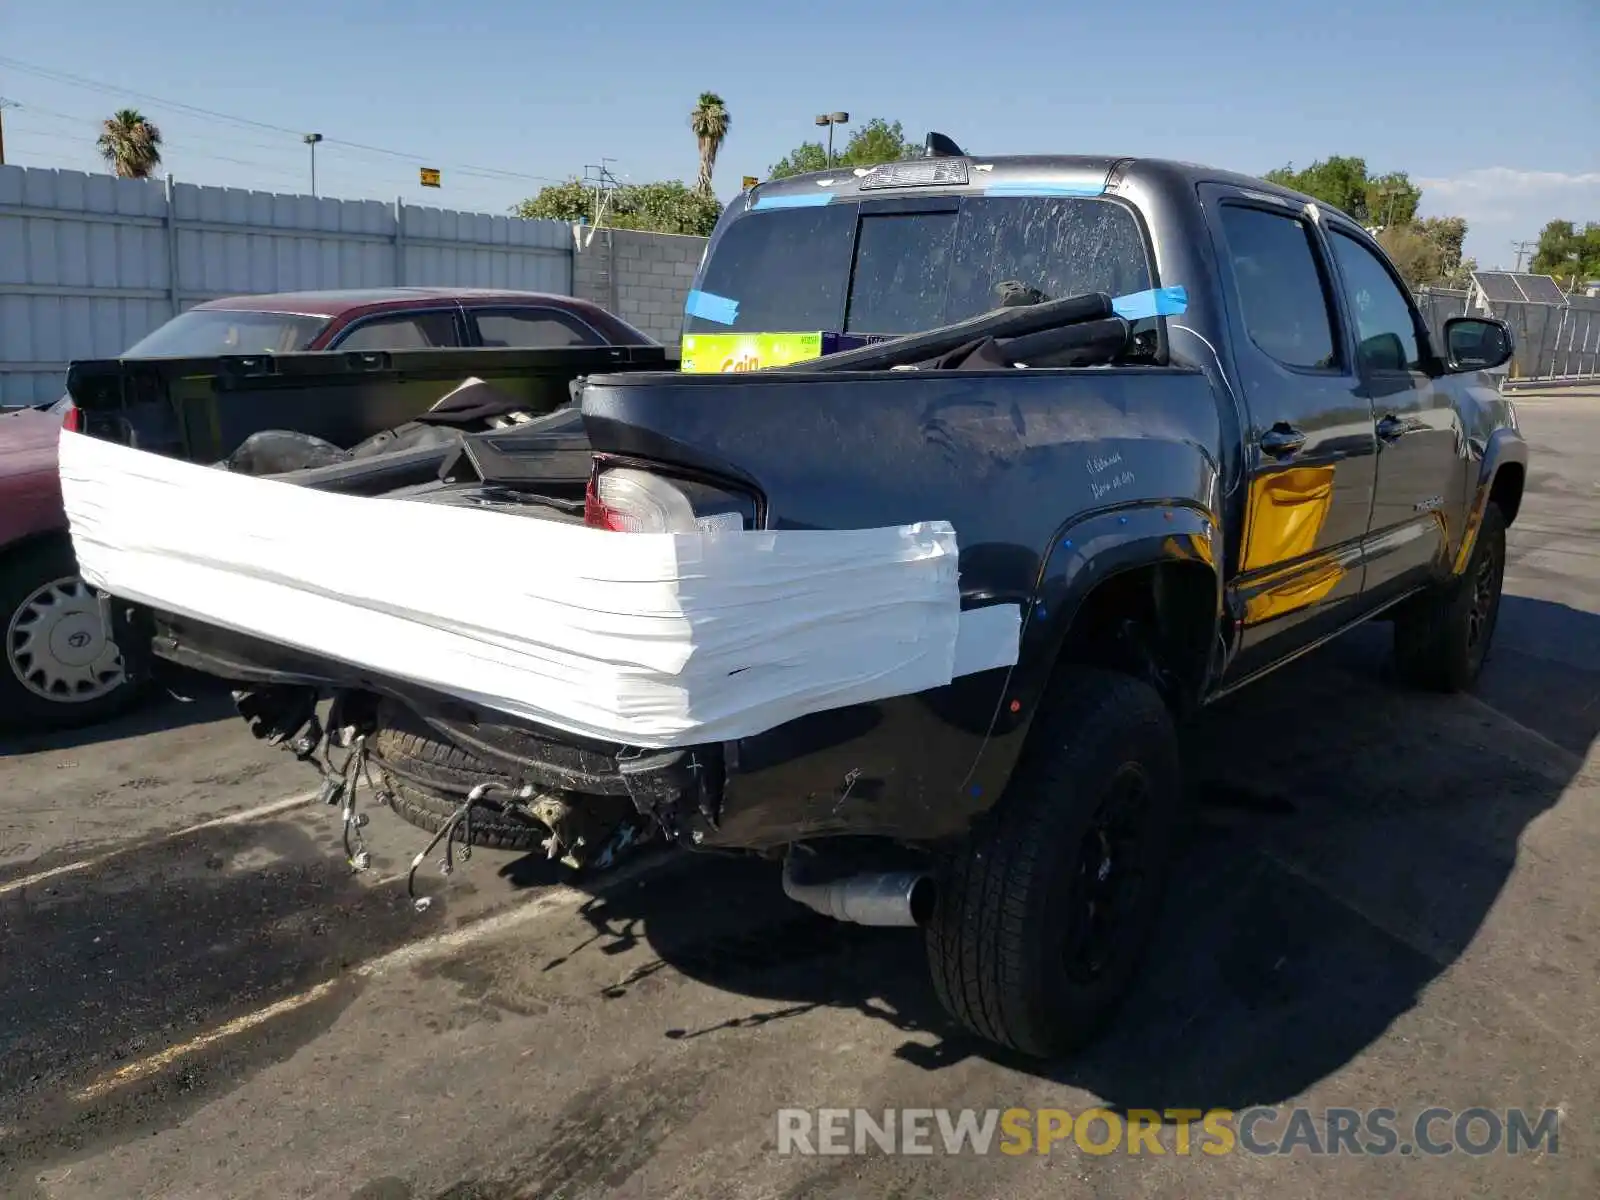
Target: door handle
(1392, 428)
(1281, 441)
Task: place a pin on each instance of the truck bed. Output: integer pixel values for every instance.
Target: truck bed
(204, 408)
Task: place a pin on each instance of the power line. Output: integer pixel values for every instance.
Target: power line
(179, 147)
(92, 123)
(214, 115)
(24, 133)
(476, 191)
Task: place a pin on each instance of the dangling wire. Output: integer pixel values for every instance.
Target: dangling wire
(460, 819)
(350, 776)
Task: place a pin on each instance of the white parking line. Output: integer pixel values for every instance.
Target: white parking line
(554, 899)
(145, 1067)
(84, 864)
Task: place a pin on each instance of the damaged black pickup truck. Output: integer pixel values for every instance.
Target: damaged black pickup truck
(1187, 425)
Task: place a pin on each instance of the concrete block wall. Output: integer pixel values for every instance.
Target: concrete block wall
(642, 277)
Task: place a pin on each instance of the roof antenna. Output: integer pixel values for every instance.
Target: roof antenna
(939, 146)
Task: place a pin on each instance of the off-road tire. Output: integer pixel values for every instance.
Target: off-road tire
(1442, 638)
(408, 748)
(492, 825)
(1006, 910)
(23, 570)
(428, 778)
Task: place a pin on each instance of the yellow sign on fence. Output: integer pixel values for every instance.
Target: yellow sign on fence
(430, 176)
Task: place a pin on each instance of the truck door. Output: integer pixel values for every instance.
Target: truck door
(1419, 432)
(1310, 444)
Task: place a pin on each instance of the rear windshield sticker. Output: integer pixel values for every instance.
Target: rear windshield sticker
(798, 200)
(710, 307)
(1157, 302)
(1023, 188)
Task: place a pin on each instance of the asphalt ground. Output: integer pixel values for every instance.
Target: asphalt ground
(1388, 901)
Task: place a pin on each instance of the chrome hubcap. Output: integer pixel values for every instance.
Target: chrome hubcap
(57, 646)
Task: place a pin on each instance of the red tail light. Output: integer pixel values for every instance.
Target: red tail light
(72, 419)
(627, 500)
(597, 514)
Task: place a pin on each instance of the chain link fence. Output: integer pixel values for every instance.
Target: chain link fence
(1557, 335)
(1437, 306)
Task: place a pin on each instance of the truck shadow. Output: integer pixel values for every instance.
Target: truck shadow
(1351, 838)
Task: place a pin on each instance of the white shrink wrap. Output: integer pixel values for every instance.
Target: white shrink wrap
(646, 639)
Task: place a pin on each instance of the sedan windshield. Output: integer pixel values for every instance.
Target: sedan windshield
(201, 332)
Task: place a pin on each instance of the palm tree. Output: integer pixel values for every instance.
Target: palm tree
(710, 122)
(130, 144)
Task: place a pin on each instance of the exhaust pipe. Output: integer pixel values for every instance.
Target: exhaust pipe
(884, 898)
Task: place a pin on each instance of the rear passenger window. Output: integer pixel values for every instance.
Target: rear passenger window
(534, 328)
(1281, 295)
(407, 331)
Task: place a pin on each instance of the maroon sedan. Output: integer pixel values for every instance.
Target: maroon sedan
(59, 668)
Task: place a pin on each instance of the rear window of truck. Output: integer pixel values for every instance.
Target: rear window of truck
(835, 267)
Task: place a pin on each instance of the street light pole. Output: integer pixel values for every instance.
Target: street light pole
(4, 104)
(830, 120)
(311, 139)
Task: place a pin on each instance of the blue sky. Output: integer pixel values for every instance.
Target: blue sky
(503, 95)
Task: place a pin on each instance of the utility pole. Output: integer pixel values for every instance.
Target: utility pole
(4, 104)
(1521, 248)
(599, 177)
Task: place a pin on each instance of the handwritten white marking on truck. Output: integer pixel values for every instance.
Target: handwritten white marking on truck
(1121, 479)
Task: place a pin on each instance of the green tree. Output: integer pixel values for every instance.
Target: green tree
(1343, 182)
(878, 141)
(130, 144)
(710, 123)
(802, 160)
(1570, 254)
(570, 201)
(1427, 253)
(669, 206)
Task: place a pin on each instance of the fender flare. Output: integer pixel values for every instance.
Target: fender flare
(1504, 447)
(1085, 553)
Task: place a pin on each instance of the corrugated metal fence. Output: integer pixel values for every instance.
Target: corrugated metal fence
(89, 263)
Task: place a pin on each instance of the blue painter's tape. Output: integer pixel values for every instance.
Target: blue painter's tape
(1158, 302)
(796, 200)
(710, 307)
(1022, 188)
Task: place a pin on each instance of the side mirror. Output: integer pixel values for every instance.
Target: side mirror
(1382, 352)
(1477, 344)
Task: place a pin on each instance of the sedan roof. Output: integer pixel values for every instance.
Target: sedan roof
(338, 301)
